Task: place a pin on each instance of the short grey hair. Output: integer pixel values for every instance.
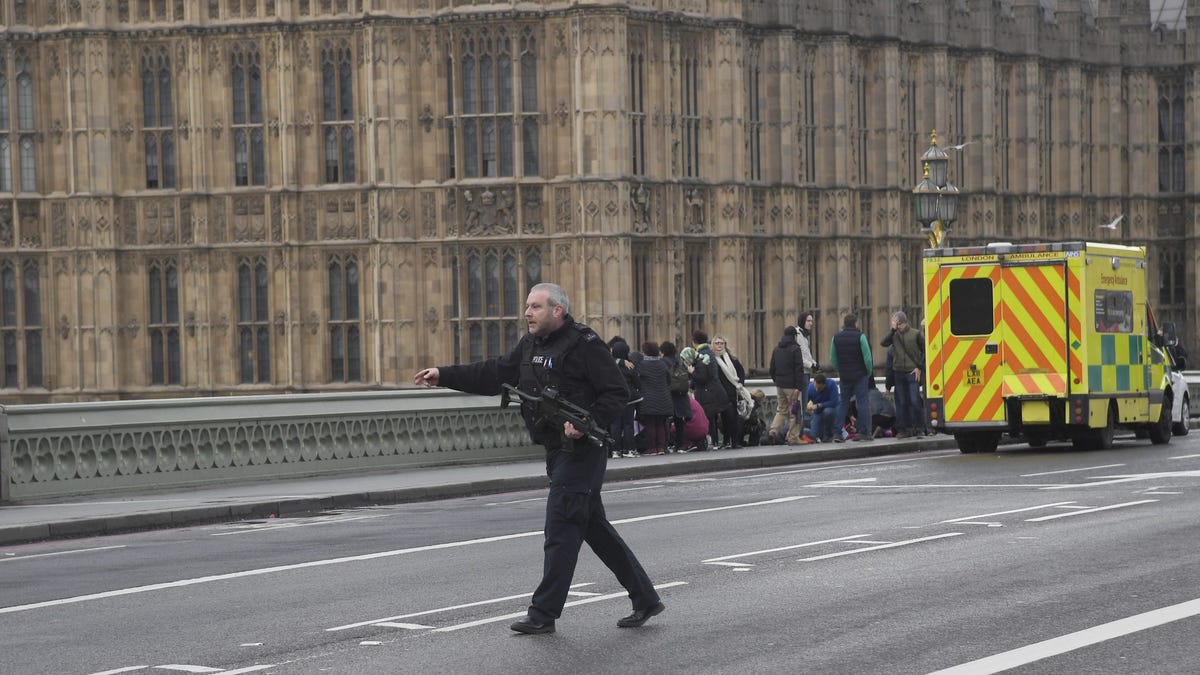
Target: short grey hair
(555, 295)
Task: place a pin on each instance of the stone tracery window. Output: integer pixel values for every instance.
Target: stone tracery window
(490, 285)
(1171, 124)
(248, 127)
(689, 105)
(163, 326)
(18, 149)
(337, 111)
(21, 323)
(492, 97)
(637, 104)
(345, 329)
(158, 118)
(253, 327)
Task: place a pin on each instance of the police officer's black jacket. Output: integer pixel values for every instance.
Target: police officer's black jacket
(572, 358)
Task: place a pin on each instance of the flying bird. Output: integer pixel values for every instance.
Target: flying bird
(960, 146)
(1113, 224)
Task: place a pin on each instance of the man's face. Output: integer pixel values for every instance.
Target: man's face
(809, 322)
(819, 386)
(542, 318)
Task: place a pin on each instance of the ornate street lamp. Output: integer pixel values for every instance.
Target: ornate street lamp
(935, 199)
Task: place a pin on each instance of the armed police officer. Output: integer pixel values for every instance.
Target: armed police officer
(569, 356)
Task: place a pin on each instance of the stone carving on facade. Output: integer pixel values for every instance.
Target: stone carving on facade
(426, 118)
(561, 113)
(64, 327)
(429, 257)
(562, 209)
(431, 320)
(130, 328)
(429, 214)
(640, 208)
(312, 323)
(531, 211)
(280, 323)
(488, 213)
(693, 201)
(221, 325)
(305, 123)
(308, 224)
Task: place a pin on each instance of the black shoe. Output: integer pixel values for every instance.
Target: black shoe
(531, 626)
(639, 616)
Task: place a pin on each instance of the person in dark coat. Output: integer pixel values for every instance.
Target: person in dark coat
(622, 428)
(656, 407)
(707, 381)
(570, 356)
(787, 372)
(681, 396)
(850, 354)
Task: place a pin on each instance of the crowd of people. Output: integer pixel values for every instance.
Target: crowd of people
(695, 398)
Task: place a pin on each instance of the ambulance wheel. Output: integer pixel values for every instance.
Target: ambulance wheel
(987, 441)
(1104, 435)
(966, 443)
(1160, 433)
(1182, 428)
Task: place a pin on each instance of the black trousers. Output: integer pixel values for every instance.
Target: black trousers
(574, 515)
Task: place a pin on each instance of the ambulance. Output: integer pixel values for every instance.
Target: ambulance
(1046, 342)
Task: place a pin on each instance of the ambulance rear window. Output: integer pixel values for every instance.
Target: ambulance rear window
(971, 307)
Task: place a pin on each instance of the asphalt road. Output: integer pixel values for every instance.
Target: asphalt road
(1049, 561)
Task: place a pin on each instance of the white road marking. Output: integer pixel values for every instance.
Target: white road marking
(820, 468)
(127, 669)
(1072, 641)
(517, 615)
(1184, 457)
(736, 556)
(278, 524)
(361, 558)
(739, 565)
(880, 547)
(248, 669)
(407, 626)
(188, 669)
(985, 523)
(440, 609)
(1086, 468)
(1091, 510)
(46, 555)
(1129, 479)
(369, 643)
(1004, 513)
(516, 501)
(634, 489)
(847, 481)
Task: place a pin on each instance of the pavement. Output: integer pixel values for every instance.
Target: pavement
(108, 513)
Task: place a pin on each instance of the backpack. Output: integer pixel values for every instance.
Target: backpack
(633, 380)
(679, 377)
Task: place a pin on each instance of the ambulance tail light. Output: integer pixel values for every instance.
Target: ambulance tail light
(1078, 411)
(935, 411)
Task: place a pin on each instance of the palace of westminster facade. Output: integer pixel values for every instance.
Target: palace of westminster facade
(211, 197)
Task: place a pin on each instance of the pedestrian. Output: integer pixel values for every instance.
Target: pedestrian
(787, 371)
(805, 324)
(850, 355)
(823, 401)
(570, 356)
(695, 430)
(908, 359)
(733, 379)
(622, 428)
(681, 387)
(707, 383)
(656, 407)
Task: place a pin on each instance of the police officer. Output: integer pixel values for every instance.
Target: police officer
(561, 353)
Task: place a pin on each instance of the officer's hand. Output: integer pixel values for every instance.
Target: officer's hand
(570, 431)
(428, 377)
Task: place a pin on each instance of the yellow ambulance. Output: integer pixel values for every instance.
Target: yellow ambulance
(1045, 342)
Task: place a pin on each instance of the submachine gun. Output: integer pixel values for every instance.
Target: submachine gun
(551, 406)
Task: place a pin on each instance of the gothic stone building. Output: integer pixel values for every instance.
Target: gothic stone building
(208, 197)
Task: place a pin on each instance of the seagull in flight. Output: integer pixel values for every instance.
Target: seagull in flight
(960, 146)
(1113, 224)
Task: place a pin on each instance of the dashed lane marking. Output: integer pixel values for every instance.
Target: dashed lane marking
(726, 559)
(981, 516)
(1091, 510)
(1086, 468)
(46, 555)
(880, 547)
(426, 612)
